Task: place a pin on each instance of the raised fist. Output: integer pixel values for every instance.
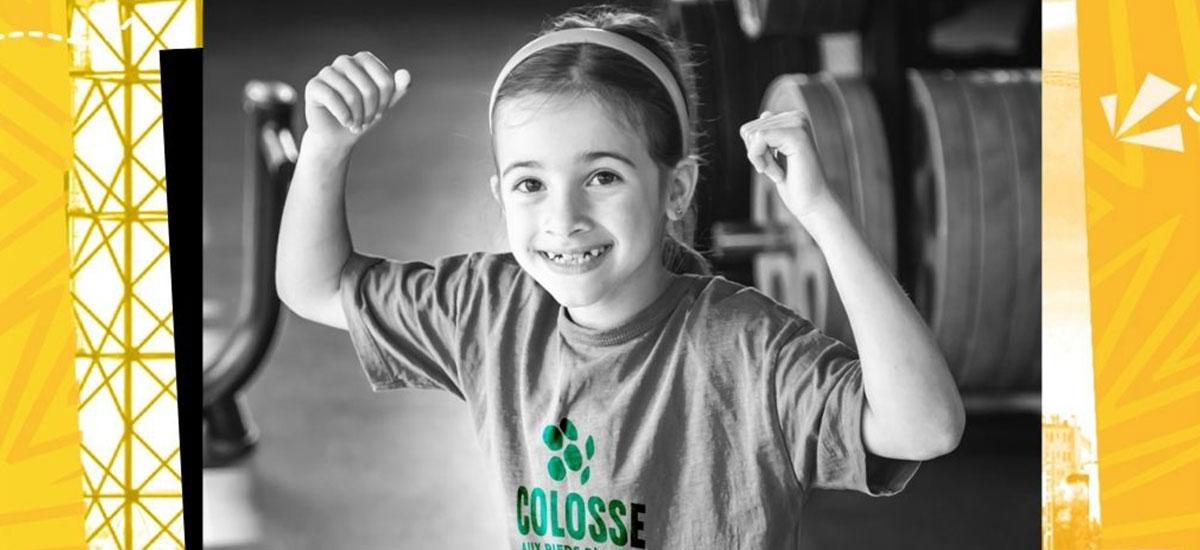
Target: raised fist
(349, 96)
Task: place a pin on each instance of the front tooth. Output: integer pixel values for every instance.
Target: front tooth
(576, 258)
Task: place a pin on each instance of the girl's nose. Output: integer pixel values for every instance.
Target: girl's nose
(566, 214)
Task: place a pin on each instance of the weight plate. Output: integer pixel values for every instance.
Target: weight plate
(976, 189)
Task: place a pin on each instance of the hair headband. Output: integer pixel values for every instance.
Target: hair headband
(609, 39)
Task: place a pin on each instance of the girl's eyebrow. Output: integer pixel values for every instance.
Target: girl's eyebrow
(586, 156)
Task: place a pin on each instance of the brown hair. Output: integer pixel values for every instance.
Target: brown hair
(628, 89)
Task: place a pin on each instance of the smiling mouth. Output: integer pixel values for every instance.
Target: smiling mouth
(574, 258)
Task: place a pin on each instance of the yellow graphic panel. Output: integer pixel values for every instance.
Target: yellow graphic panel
(116, 211)
(40, 476)
(1140, 68)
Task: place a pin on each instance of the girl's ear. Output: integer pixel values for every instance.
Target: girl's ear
(495, 186)
(680, 188)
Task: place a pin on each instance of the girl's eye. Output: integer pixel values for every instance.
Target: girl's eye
(528, 186)
(607, 178)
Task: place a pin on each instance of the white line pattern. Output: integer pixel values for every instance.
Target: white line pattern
(54, 36)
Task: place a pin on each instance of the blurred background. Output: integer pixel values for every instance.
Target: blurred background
(927, 116)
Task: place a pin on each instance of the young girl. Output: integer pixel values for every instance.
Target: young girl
(627, 398)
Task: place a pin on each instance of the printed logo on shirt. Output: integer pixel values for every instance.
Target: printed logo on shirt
(594, 521)
(571, 457)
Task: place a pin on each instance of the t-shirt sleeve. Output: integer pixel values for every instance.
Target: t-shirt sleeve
(403, 320)
(819, 399)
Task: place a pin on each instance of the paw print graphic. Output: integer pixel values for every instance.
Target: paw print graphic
(564, 437)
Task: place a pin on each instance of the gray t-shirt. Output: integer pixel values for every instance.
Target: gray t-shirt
(700, 423)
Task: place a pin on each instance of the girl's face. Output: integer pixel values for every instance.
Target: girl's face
(583, 205)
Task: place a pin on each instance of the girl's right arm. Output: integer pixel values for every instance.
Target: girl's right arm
(342, 102)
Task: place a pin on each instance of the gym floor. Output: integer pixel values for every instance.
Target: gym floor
(339, 466)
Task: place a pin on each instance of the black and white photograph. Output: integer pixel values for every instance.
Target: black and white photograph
(651, 274)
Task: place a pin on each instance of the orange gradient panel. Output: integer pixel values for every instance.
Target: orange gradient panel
(41, 480)
(1139, 69)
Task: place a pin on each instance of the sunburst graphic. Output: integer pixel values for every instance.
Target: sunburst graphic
(40, 477)
(1145, 286)
(1154, 92)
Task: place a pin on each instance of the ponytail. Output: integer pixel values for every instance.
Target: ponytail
(677, 255)
(681, 258)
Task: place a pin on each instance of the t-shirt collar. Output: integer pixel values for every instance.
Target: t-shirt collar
(641, 323)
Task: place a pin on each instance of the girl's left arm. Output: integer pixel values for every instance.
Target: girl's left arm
(912, 409)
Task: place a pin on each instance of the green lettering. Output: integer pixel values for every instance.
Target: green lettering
(575, 516)
(635, 525)
(617, 532)
(598, 531)
(522, 520)
(555, 529)
(539, 511)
